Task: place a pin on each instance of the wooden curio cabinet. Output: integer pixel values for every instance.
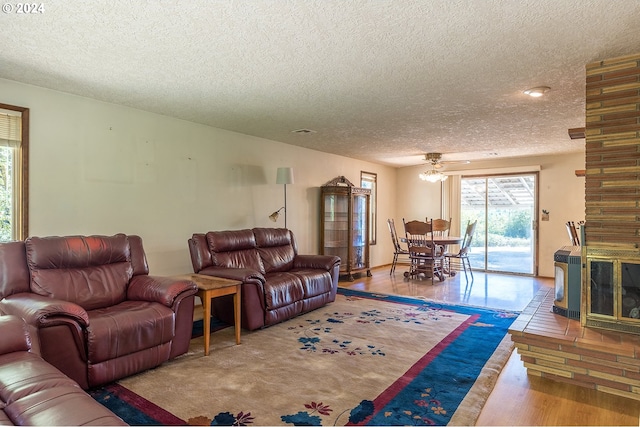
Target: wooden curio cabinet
(344, 228)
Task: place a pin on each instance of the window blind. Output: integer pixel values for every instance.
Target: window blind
(10, 130)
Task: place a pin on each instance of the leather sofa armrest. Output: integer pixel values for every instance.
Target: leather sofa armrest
(160, 289)
(245, 275)
(321, 262)
(38, 310)
(15, 336)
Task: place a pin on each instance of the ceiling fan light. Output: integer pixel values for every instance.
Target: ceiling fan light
(432, 176)
(537, 92)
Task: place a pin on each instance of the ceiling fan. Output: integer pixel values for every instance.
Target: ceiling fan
(436, 160)
(434, 175)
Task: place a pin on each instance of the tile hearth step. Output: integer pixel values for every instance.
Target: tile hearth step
(555, 347)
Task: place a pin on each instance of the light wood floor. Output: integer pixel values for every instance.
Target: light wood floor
(517, 399)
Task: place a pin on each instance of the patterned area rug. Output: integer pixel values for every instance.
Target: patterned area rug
(366, 359)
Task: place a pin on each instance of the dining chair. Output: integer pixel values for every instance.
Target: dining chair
(462, 256)
(398, 250)
(441, 226)
(426, 257)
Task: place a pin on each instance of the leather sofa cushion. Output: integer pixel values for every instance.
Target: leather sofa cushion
(314, 282)
(234, 249)
(62, 406)
(23, 373)
(33, 392)
(76, 251)
(13, 265)
(275, 248)
(15, 335)
(278, 258)
(91, 271)
(282, 289)
(230, 240)
(127, 328)
(90, 288)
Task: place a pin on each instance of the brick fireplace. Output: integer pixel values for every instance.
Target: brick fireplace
(611, 256)
(602, 350)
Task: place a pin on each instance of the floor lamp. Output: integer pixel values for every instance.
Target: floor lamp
(284, 176)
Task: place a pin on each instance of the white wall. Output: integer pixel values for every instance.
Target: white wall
(560, 192)
(100, 168)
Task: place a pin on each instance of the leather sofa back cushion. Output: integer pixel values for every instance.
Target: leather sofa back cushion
(276, 248)
(234, 249)
(14, 274)
(91, 271)
(138, 257)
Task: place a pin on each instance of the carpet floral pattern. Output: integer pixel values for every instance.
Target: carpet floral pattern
(367, 359)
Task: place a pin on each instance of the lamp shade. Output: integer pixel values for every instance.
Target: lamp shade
(274, 216)
(285, 176)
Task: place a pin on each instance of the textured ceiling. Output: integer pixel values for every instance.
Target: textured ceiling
(382, 80)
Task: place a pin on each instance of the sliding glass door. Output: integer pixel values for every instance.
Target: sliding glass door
(505, 207)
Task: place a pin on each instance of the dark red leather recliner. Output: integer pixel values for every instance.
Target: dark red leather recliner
(277, 282)
(92, 308)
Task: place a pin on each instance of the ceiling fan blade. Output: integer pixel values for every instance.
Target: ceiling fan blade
(455, 162)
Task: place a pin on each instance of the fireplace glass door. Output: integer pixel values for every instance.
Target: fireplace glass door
(601, 299)
(613, 295)
(630, 297)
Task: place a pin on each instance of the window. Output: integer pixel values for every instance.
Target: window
(14, 155)
(369, 180)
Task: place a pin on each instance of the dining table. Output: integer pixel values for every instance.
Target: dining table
(447, 240)
(443, 241)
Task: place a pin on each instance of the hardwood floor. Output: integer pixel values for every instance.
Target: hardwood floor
(517, 399)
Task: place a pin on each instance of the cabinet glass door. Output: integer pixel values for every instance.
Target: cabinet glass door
(359, 231)
(336, 226)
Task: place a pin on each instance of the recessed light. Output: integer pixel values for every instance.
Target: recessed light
(303, 131)
(537, 92)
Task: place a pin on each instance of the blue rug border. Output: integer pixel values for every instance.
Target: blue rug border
(458, 308)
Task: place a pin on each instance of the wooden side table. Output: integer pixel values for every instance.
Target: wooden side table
(213, 287)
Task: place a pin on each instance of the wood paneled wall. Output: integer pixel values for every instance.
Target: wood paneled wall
(612, 209)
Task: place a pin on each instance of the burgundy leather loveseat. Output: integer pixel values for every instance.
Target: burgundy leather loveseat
(94, 311)
(278, 283)
(33, 392)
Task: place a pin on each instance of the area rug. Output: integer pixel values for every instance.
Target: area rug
(366, 359)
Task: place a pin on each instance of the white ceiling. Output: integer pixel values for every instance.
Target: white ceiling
(381, 80)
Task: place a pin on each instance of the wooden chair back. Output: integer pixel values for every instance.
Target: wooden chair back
(468, 236)
(419, 235)
(394, 236)
(441, 226)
